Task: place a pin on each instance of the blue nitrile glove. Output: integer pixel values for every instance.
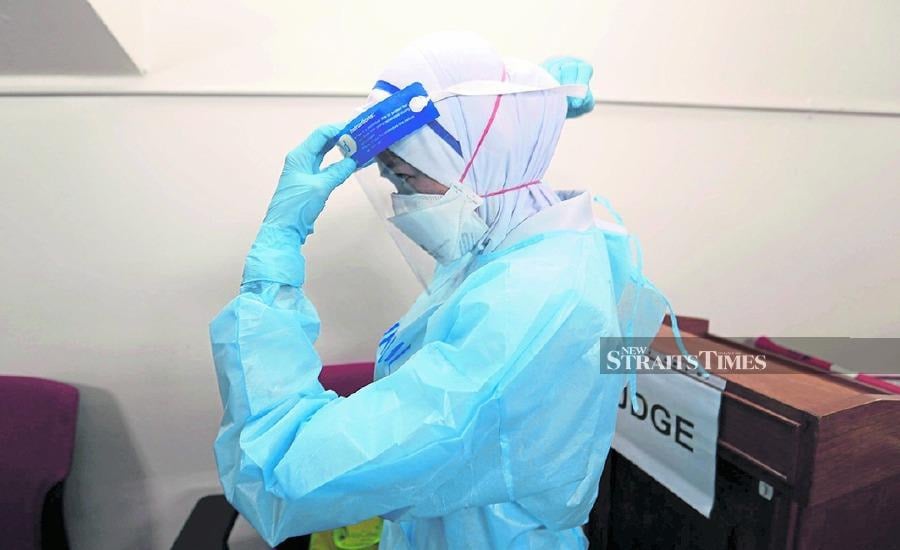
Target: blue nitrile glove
(299, 198)
(571, 70)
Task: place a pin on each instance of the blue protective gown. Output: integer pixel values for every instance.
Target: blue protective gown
(488, 424)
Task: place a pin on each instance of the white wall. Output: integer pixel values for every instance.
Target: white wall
(124, 220)
(126, 20)
(806, 54)
(778, 223)
(62, 37)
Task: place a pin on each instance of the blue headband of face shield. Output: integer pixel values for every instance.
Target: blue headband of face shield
(407, 110)
(388, 121)
(433, 124)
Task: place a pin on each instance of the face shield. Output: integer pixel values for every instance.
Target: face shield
(442, 226)
(378, 190)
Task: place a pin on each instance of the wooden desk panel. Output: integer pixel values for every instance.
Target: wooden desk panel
(829, 446)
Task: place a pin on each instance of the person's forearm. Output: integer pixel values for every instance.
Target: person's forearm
(275, 257)
(267, 371)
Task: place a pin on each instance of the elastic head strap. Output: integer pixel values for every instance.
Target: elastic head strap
(471, 88)
(484, 133)
(509, 189)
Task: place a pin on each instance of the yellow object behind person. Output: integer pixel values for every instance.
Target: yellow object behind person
(360, 536)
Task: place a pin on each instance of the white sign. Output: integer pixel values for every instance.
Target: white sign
(672, 436)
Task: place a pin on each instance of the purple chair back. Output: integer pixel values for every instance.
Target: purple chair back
(347, 378)
(37, 439)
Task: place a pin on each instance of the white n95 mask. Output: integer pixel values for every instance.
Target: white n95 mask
(446, 226)
(413, 202)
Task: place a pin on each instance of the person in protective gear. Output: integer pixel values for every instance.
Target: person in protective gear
(492, 410)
